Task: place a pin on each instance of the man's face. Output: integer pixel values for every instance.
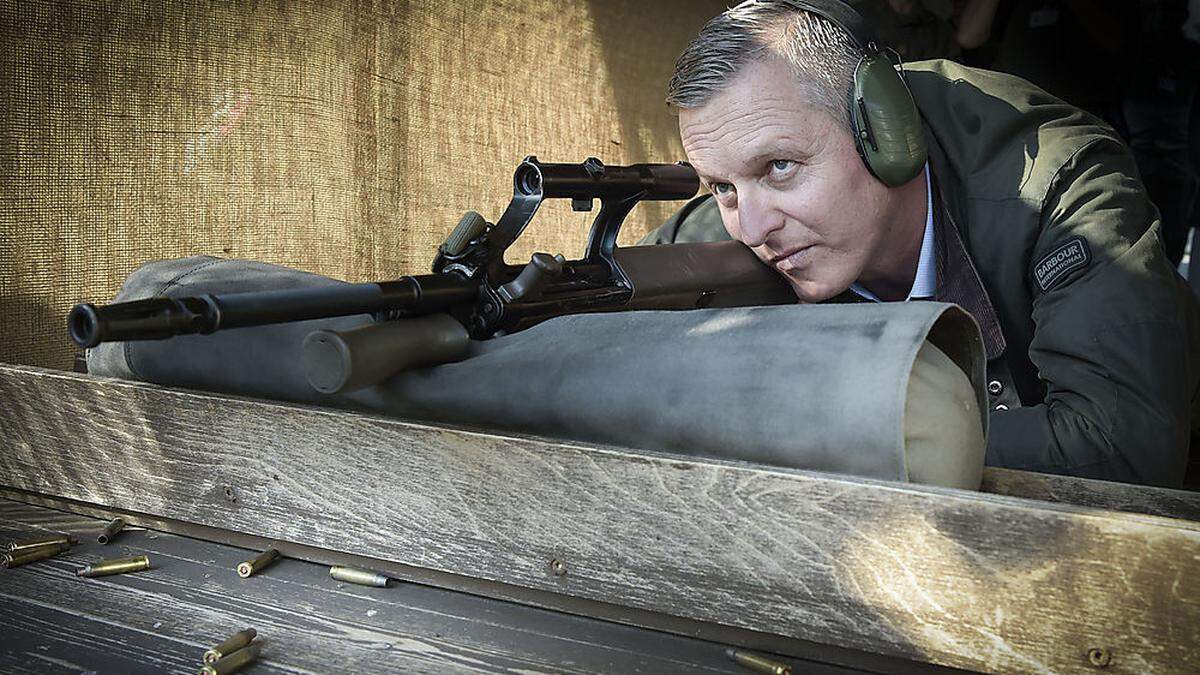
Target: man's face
(788, 181)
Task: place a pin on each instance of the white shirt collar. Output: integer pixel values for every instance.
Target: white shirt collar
(925, 282)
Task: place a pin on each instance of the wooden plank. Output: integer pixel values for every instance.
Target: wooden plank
(813, 656)
(1098, 494)
(38, 638)
(962, 579)
(147, 618)
(310, 622)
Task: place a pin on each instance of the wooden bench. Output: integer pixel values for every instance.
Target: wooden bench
(1035, 574)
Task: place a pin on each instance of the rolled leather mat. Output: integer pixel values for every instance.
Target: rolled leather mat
(891, 391)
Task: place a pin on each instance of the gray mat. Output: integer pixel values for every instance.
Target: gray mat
(822, 387)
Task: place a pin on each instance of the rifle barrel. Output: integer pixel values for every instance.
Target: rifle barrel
(163, 317)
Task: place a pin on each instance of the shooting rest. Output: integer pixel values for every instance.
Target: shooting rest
(784, 385)
(1030, 576)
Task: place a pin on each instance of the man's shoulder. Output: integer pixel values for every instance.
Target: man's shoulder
(1004, 137)
(698, 221)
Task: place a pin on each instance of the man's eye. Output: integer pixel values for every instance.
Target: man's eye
(721, 188)
(781, 165)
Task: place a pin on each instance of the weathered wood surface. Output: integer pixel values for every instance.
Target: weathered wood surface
(968, 580)
(163, 619)
(1094, 493)
(40, 639)
(824, 658)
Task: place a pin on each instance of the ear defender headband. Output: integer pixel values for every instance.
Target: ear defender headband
(883, 116)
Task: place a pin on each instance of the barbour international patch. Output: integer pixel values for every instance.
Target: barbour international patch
(1072, 255)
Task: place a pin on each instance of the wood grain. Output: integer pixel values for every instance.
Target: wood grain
(969, 580)
(37, 637)
(1098, 494)
(816, 658)
(162, 620)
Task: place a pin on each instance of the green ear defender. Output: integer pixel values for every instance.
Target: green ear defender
(883, 116)
(885, 120)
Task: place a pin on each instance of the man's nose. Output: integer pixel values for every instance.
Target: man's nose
(756, 218)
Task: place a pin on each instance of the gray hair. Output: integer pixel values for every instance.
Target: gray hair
(821, 55)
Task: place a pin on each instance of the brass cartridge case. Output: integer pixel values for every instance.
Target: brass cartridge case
(232, 663)
(28, 555)
(110, 531)
(104, 568)
(251, 567)
(354, 575)
(239, 640)
(38, 542)
(759, 664)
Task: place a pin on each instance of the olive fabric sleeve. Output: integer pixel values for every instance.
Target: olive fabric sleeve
(699, 220)
(1116, 334)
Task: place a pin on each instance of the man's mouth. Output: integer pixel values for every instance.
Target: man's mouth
(789, 259)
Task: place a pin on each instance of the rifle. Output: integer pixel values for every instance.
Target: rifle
(428, 319)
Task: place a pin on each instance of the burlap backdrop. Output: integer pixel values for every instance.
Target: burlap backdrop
(344, 138)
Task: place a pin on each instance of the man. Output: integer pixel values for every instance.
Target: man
(1028, 213)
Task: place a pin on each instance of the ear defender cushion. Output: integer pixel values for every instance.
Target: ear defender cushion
(886, 122)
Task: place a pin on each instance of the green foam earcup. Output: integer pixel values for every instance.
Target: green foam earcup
(886, 122)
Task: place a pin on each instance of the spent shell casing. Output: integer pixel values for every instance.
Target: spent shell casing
(24, 544)
(232, 663)
(249, 567)
(759, 664)
(104, 568)
(28, 555)
(110, 530)
(239, 640)
(354, 575)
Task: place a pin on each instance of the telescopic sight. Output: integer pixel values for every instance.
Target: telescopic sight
(529, 180)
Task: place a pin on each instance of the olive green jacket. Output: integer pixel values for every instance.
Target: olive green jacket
(1096, 356)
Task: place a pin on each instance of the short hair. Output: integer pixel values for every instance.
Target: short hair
(822, 56)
